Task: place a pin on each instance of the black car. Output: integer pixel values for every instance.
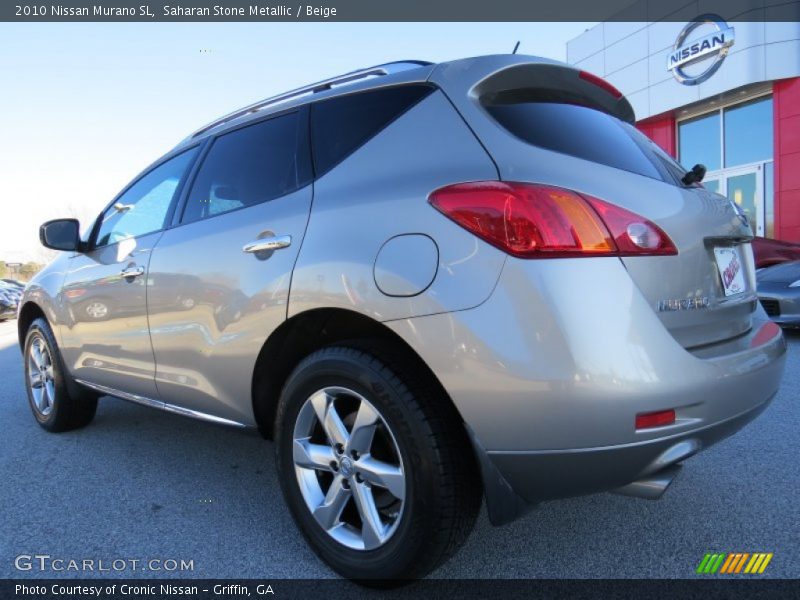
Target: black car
(9, 299)
(14, 283)
(779, 292)
(8, 308)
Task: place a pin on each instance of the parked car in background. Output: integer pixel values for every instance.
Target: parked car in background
(768, 252)
(14, 282)
(500, 288)
(779, 292)
(12, 289)
(9, 299)
(7, 310)
(12, 286)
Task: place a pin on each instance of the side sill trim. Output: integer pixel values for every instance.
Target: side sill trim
(178, 410)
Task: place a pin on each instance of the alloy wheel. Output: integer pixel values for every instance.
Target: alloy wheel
(349, 468)
(41, 378)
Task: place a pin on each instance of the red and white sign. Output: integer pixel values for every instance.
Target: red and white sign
(731, 270)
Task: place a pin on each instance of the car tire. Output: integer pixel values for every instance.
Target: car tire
(421, 522)
(56, 405)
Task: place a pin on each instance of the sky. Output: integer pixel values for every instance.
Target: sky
(85, 107)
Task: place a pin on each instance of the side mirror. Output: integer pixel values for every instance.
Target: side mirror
(61, 234)
(695, 175)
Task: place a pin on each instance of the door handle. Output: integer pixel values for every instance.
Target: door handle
(267, 244)
(132, 272)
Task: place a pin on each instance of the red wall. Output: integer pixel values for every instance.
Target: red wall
(662, 131)
(786, 111)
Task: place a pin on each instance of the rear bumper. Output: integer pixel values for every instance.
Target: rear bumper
(536, 476)
(550, 372)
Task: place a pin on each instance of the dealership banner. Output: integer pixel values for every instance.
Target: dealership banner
(391, 10)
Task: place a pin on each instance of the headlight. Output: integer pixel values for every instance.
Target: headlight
(795, 283)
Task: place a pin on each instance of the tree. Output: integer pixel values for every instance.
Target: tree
(29, 269)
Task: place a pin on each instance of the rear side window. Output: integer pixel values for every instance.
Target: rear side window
(584, 133)
(341, 125)
(251, 165)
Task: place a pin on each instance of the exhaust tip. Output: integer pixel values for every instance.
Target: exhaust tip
(651, 487)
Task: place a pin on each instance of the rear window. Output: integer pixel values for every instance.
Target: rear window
(341, 125)
(586, 133)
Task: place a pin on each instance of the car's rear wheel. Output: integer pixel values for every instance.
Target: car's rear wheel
(376, 469)
(54, 406)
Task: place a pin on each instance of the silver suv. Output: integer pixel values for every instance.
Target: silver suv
(429, 284)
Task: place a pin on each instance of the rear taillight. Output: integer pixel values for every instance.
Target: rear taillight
(539, 221)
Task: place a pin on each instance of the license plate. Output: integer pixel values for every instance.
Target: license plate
(731, 270)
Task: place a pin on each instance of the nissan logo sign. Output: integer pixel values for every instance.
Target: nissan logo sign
(712, 46)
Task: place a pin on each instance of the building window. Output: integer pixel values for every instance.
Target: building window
(700, 142)
(748, 132)
(735, 143)
(746, 137)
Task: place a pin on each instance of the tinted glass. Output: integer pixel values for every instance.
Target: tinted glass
(742, 189)
(579, 131)
(339, 126)
(748, 133)
(668, 164)
(700, 142)
(249, 166)
(143, 208)
(769, 200)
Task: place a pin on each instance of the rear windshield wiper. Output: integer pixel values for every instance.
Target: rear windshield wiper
(695, 175)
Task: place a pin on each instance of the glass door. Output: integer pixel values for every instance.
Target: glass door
(745, 187)
(713, 184)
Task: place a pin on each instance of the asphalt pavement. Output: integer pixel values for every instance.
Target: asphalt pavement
(139, 484)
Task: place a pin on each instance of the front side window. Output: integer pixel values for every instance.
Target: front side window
(249, 166)
(143, 207)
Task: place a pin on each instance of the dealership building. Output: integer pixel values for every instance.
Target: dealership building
(726, 95)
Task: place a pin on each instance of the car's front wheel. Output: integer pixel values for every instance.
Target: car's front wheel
(375, 465)
(53, 406)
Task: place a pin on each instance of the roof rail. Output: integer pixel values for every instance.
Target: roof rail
(325, 84)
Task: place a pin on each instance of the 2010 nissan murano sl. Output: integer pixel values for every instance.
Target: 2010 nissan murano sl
(429, 284)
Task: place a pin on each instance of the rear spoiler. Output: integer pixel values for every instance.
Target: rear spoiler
(553, 83)
(515, 78)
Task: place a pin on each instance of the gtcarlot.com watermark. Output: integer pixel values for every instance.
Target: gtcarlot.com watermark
(45, 563)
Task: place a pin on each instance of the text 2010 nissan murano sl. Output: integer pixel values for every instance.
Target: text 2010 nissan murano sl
(429, 284)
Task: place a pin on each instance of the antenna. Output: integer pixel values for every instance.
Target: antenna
(515, 48)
